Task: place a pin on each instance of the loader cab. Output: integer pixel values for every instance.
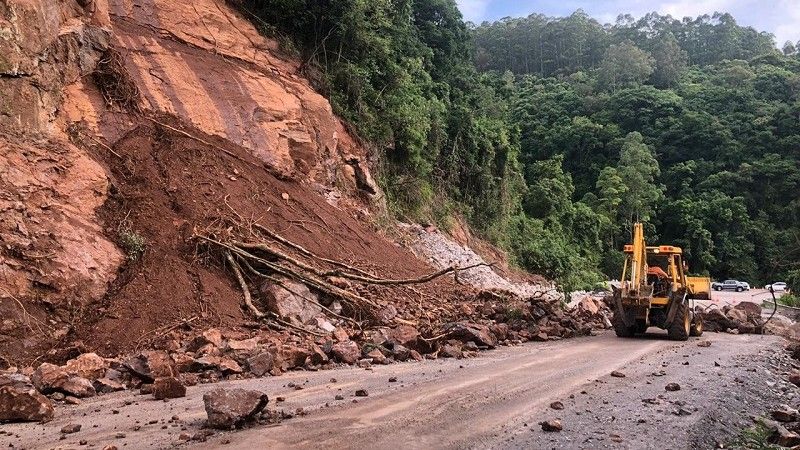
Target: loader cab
(664, 271)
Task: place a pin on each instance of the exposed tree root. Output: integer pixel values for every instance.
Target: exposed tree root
(246, 257)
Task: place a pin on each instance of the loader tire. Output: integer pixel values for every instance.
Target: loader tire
(697, 327)
(681, 326)
(620, 328)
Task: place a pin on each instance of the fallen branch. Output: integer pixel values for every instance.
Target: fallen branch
(248, 301)
(306, 252)
(277, 281)
(365, 279)
(314, 282)
(202, 141)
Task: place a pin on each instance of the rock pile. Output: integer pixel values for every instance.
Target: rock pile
(744, 318)
(785, 426)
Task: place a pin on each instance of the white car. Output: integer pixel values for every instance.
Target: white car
(776, 287)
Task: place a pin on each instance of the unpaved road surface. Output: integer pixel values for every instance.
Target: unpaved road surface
(493, 401)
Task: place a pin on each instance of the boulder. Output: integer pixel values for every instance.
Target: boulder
(551, 425)
(49, 378)
(185, 362)
(466, 331)
(231, 408)
(79, 387)
(105, 385)
(291, 299)
(20, 401)
(785, 414)
(291, 356)
(168, 387)
(589, 306)
(225, 365)
(451, 349)
(261, 364)
(87, 365)
(340, 334)
(400, 353)
(245, 346)
(150, 365)
(500, 330)
(715, 320)
(346, 352)
(752, 309)
(377, 357)
(209, 337)
(404, 335)
(738, 316)
(317, 355)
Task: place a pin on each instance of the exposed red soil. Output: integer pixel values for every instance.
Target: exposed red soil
(165, 186)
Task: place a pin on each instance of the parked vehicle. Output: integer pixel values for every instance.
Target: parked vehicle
(780, 286)
(730, 285)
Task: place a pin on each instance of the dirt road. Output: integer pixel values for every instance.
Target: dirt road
(495, 400)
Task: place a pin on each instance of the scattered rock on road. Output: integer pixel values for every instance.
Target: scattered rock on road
(71, 428)
(19, 401)
(551, 425)
(168, 387)
(672, 387)
(232, 408)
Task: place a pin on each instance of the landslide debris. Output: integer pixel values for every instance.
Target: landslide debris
(178, 211)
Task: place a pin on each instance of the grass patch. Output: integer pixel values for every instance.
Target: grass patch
(133, 243)
(790, 300)
(754, 438)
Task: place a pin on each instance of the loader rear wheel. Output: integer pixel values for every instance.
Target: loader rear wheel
(681, 326)
(620, 328)
(697, 326)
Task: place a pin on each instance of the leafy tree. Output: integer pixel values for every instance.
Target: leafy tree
(671, 61)
(638, 170)
(625, 64)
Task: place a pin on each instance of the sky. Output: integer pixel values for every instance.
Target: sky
(779, 17)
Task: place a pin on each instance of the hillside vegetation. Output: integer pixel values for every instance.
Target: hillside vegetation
(551, 135)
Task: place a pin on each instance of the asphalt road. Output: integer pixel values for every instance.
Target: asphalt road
(493, 401)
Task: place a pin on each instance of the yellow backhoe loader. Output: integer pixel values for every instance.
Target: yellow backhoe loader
(655, 291)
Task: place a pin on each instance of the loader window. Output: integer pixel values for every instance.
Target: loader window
(658, 274)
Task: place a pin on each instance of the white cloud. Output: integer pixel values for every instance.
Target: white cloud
(788, 25)
(473, 10)
(682, 8)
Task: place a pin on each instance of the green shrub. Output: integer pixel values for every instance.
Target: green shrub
(133, 243)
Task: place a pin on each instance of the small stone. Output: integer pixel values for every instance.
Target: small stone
(672, 387)
(704, 344)
(392, 379)
(71, 428)
(551, 425)
(617, 374)
(339, 397)
(558, 406)
(361, 393)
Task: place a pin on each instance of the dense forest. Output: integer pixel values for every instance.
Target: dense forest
(551, 135)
